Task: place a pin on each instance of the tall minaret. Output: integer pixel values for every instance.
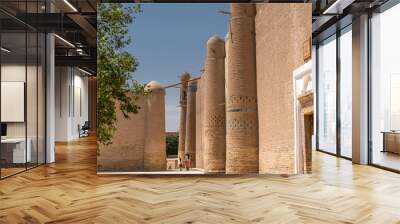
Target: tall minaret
(199, 123)
(190, 139)
(182, 124)
(155, 158)
(213, 85)
(241, 104)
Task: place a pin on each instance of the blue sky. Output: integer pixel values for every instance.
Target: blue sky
(171, 38)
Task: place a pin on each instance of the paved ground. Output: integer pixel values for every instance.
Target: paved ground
(70, 191)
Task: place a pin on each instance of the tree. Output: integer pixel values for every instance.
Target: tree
(115, 68)
(172, 144)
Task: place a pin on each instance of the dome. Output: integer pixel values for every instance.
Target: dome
(154, 86)
(215, 40)
(185, 76)
(215, 47)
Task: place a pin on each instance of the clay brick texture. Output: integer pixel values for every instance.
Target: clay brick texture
(214, 106)
(182, 121)
(190, 138)
(263, 47)
(241, 95)
(139, 141)
(154, 148)
(126, 151)
(281, 30)
(199, 125)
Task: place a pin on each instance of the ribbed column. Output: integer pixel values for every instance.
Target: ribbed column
(214, 106)
(182, 123)
(241, 105)
(155, 148)
(190, 139)
(199, 124)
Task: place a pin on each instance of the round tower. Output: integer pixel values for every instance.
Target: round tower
(213, 85)
(241, 102)
(190, 138)
(155, 147)
(182, 120)
(199, 124)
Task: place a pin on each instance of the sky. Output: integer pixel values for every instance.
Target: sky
(168, 39)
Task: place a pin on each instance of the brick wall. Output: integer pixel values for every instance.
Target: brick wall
(126, 151)
(281, 30)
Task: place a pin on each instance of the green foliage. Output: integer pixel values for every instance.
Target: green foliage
(114, 68)
(172, 144)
